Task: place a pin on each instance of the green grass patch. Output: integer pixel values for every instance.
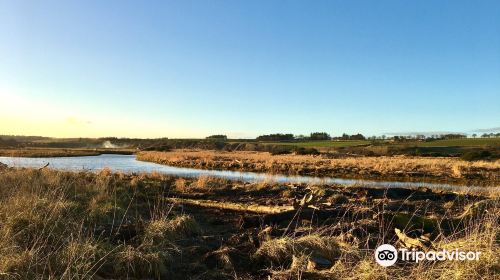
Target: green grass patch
(466, 142)
(325, 143)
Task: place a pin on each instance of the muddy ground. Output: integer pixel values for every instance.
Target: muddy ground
(236, 219)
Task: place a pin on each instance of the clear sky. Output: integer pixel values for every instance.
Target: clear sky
(245, 68)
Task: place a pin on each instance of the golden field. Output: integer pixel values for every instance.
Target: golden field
(439, 168)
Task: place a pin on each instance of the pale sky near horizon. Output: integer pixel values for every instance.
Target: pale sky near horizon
(246, 68)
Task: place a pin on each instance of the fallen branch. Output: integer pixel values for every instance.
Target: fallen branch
(45, 166)
(255, 208)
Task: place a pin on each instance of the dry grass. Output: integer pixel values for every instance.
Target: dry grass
(290, 257)
(377, 167)
(59, 225)
(63, 225)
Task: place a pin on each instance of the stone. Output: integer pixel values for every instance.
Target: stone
(318, 263)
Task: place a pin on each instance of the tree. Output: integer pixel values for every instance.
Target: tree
(276, 137)
(358, 136)
(319, 136)
(217, 137)
(474, 135)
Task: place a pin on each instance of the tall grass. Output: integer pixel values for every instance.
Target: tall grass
(59, 225)
(376, 167)
(63, 225)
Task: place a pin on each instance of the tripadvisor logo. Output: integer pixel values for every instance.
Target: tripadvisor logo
(387, 255)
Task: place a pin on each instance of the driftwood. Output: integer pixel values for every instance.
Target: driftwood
(421, 242)
(45, 166)
(244, 207)
(257, 215)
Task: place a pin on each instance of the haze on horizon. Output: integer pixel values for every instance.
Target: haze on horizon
(246, 68)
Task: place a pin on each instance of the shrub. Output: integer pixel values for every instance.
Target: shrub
(476, 155)
(161, 148)
(306, 151)
(280, 150)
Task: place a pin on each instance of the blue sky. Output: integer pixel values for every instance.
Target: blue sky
(245, 68)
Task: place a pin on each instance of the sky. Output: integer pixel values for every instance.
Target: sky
(184, 69)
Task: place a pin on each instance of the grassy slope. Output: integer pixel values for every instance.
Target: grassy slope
(60, 152)
(467, 142)
(47, 152)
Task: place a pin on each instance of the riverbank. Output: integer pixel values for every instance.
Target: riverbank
(377, 168)
(113, 225)
(60, 152)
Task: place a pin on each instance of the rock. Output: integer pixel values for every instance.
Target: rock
(318, 263)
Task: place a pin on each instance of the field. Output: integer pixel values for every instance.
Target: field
(339, 148)
(322, 144)
(466, 142)
(437, 168)
(62, 225)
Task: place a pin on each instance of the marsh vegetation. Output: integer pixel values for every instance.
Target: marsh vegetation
(437, 168)
(104, 225)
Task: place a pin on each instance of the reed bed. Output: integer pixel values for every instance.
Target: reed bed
(440, 168)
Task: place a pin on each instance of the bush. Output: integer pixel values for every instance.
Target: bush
(476, 155)
(160, 148)
(217, 137)
(279, 150)
(306, 151)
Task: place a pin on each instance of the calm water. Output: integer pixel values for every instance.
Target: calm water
(128, 164)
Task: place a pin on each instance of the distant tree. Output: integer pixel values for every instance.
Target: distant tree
(453, 136)
(276, 137)
(358, 136)
(217, 137)
(319, 136)
(351, 137)
(474, 135)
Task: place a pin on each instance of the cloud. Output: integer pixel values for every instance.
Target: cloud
(487, 130)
